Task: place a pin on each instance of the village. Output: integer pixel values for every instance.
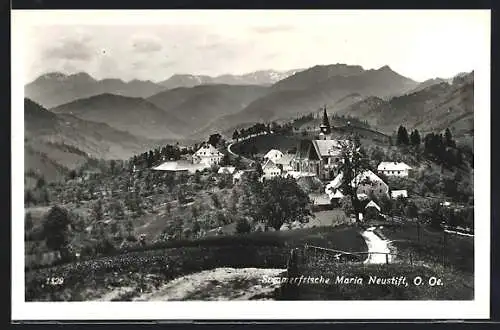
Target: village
(318, 160)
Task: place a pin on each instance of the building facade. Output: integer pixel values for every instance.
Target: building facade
(321, 157)
(398, 169)
(207, 155)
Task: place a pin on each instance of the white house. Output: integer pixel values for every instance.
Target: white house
(273, 155)
(226, 170)
(367, 183)
(271, 170)
(399, 193)
(208, 155)
(393, 169)
(285, 161)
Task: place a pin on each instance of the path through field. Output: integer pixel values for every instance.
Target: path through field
(375, 244)
(218, 284)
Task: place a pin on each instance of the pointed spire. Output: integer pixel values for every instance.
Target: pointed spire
(325, 125)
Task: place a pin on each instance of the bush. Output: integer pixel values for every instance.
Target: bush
(243, 226)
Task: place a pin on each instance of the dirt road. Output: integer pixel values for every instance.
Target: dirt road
(376, 246)
(218, 284)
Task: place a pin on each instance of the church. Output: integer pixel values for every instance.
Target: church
(321, 156)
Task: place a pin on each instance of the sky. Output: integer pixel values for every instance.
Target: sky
(155, 45)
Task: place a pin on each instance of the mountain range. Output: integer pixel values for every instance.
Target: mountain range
(432, 107)
(55, 88)
(308, 90)
(109, 124)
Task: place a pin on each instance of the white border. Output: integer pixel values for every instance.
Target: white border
(315, 310)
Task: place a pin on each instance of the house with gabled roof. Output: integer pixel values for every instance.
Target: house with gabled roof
(367, 183)
(394, 169)
(271, 170)
(207, 154)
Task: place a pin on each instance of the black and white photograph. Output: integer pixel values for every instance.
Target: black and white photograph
(277, 156)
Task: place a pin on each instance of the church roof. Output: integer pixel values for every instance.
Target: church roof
(327, 147)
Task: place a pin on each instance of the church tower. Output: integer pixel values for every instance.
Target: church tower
(325, 129)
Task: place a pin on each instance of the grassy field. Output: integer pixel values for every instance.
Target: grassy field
(146, 268)
(458, 250)
(288, 142)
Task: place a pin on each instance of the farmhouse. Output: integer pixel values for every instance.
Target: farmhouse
(393, 169)
(271, 170)
(368, 183)
(207, 155)
(285, 162)
(321, 157)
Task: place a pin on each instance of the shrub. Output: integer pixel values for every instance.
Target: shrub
(243, 226)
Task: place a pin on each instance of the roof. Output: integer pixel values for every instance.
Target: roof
(286, 159)
(180, 165)
(209, 151)
(327, 147)
(304, 150)
(273, 154)
(269, 164)
(335, 183)
(397, 193)
(297, 174)
(226, 169)
(319, 199)
(367, 176)
(334, 194)
(372, 204)
(392, 166)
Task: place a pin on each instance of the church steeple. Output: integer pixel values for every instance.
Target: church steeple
(325, 125)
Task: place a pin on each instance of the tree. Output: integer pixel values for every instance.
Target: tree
(283, 201)
(243, 226)
(55, 228)
(97, 211)
(29, 198)
(236, 135)
(40, 182)
(402, 136)
(354, 163)
(214, 139)
(415, 138)
(129, 227)
(448, 138)
(411, 210)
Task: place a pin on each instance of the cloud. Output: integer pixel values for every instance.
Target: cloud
(71, 49)
(264, 29)
(142, 44)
